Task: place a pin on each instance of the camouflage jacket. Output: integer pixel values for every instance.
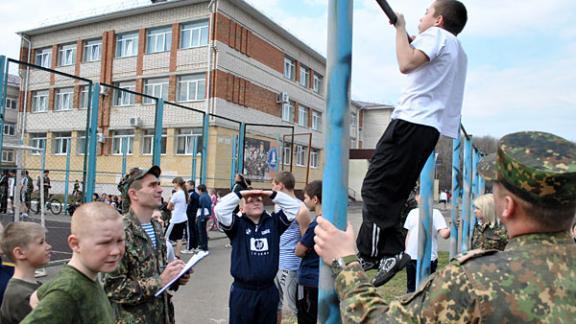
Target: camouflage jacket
(489, 236)
(132, 285)
(533, 280)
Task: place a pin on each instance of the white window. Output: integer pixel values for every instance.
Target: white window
(61, 143)
(12, 103)
(7, 156)
(317, 83)
(40, 101)
(303, 116)
(64, 99)
(194, 34)
(123, 98)
(84, 97)
(185, 140)
(191, 87)
(118, 137)
(148, 142)
(314, 158)
(127, 44)
(288, 112)
(44, 57)
(38, 140)
(300, 155)
(81, 143)
(66, 54)
(304, 76)
(159, 40)
(287, 154)
(92, 50)
(353, 127)
(289, 68)
(9, 129)
(316, 120)
(156, 88)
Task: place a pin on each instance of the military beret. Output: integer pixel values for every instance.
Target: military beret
(538, 167)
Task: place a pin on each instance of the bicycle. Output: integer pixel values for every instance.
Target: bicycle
(53, 205)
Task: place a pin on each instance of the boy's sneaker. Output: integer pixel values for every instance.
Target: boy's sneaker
(367, 264)
(389, 267)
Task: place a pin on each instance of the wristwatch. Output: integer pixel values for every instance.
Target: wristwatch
(339, 264)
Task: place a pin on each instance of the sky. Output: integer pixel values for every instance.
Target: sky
(521, 54)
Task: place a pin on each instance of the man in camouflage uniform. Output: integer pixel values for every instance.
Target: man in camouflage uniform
(489, 236)
(123, 188)
(143, 269)
(532, 280)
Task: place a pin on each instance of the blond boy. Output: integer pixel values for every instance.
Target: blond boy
(24, 244)
(75, 295)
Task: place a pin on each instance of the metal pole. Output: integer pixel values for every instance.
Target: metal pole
(337, 143)
(466, 204)
(425, 227)
(194, 156)
(124, 154)
(205, 133)
(241, 140)
(42, 199)
(91, 134)
(67, 176)
(157, 147)
(3, 90)
(292, 150)
(475, 190)
(456, 175)
(309, 153)
(233, 163)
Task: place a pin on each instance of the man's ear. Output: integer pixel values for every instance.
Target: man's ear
(439, 21)
(73, 242)
(510, 206)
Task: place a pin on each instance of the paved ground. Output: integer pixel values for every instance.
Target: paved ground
(205, 298)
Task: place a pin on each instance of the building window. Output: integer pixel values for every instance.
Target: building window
(314, 158)
(148, 142)
(80, 143)
(61, 143)
(84, 97)
(159, 40)
(127, 44)
(44, 57)
(118, 137)
(191, 87)
(300, 155)
(303, 116)
(194, 34)
(288, 112)
(9, 129)
(287, 154)
(123, 98)
(316, 120)
(40, 101)
(317, 83)
(7, 156)
(64, 99)
(38, 140)
(156, 88)
(67, 54)
(289, 68)
(12, 103)
(353, 127)
(304, 76)
(185, 140)
(92, 50)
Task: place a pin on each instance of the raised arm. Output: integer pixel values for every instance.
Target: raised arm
(290, 206)
(409, 58)
(224, 210)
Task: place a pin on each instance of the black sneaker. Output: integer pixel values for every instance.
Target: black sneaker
(368, 265)
(389, 267)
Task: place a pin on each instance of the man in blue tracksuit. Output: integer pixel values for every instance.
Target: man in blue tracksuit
(255, 237)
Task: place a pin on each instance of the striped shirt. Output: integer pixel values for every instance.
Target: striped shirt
(288, 241)
(149, 229)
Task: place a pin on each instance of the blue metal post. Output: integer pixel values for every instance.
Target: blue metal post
(42, 200)
(3, 89)
(194, 156)
(240, 168)
(466, 199)
(475, 190)
(157, 147)
(91, 138)
(337, 142)
(426, 221)
(456, 176)
(233, 163)
(125, 140)
(205, 134)
(67, 176)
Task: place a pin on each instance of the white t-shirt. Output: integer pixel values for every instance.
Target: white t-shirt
(411, 225)
(443, 196)
(179, 211)
(435, 90)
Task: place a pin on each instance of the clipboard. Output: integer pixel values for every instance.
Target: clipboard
(191, 263)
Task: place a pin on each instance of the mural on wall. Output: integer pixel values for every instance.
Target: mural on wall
(260, 159)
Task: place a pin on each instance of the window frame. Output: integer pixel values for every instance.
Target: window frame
(84, 96)
(188, 42)
(291, 112)
(38, 140)
(287, 154)
(289, 68)
(317, 83)
(9, 153)
(61, 143)
(304, 76)
(158, 36)
(187, 138)
(11, 102)
(67, 54)
(90, 47)
(123, 98)
(117, 136)
(9, 129)
(199, 79)
(316, 120)
(300, 155)
(314, 158)
(121, 44)
(148, 136)
(36, 95)
(154, 84)
(45, 57)
(60, 99)
(302, 116)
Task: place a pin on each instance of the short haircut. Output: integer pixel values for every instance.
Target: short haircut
(19, 234)
(485, 204)
(454, 14)
(201, 188)
(91, 214)
(286, 178)
(314, 189)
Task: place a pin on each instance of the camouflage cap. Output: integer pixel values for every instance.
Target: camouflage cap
(538, 167)
(137, 174)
